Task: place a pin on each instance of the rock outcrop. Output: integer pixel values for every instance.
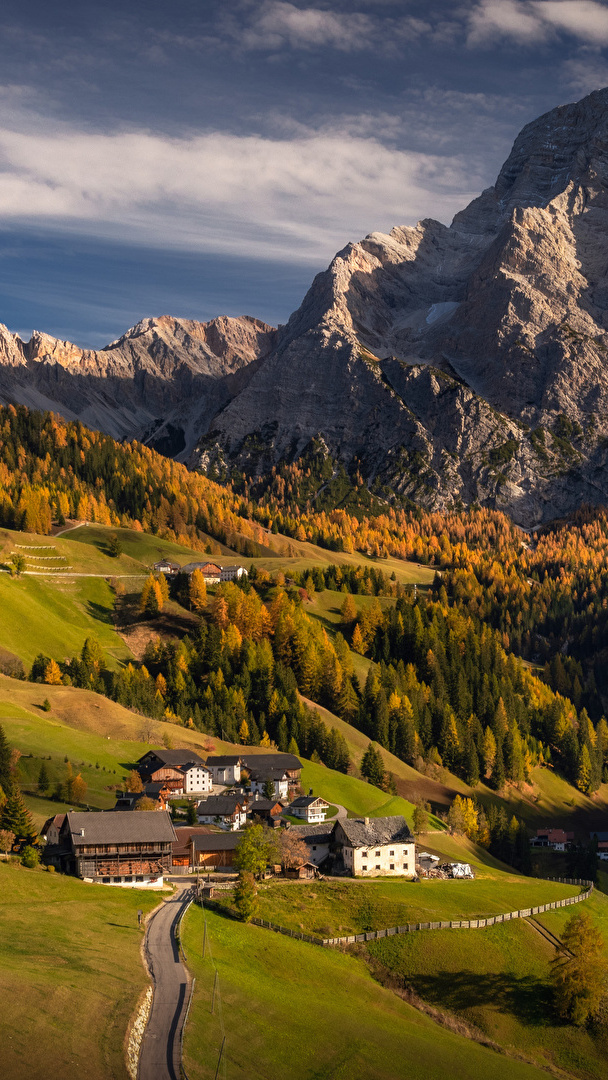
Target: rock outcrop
(161, 382)
(461, 363)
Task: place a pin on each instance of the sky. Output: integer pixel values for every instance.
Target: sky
(206, 157)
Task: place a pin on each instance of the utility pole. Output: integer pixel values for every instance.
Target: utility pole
(219, 1060)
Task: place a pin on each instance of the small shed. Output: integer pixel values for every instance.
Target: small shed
(304, 872)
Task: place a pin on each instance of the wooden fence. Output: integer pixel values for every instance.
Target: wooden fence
(409, 928)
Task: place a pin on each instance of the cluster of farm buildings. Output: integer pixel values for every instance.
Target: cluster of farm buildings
(126, 847)
(212, 572)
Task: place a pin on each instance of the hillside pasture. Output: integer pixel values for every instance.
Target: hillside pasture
(70, 975)
(292, 1009)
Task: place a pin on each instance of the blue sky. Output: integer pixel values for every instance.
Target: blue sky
(202, 157)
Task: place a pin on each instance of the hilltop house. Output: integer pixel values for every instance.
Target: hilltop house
(232, 573)
(129, 848)
(375, 846)
(556, 839)
(211, 572)
(277, 777)
(169, 569)
(308, 807)
(183, 771)
(227, 811)
(225, 769)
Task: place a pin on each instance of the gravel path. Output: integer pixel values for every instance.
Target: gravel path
(161, 1045)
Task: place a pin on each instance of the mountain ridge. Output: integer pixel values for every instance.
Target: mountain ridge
(447, 364)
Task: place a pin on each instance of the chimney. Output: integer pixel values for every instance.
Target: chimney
(82, 832)
(366, 820)
(310, 792)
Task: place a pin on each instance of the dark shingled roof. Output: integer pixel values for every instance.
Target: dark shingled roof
(263, 805)
(267, 773)
(307, 800)
(174, 757)
(223, 759)
(130, 826)
(382, 830)
(320, 833)
(271, 761)
(225, 841)
(219, 805)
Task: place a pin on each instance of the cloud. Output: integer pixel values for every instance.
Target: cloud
(276, 25)
(298, 197)
(532, 21)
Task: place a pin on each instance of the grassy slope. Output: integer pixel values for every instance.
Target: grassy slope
(337, 907)
(72, 950)
(55, 617)
(295, 1010)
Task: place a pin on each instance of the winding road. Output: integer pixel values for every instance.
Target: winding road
(161, 1045)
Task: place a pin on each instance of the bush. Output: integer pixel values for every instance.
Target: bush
(30, 858)
(46, 705)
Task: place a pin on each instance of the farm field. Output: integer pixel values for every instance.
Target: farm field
(73, 952)
(294, 1009)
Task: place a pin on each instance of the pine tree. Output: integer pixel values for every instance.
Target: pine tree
(293, 747)
(357, 640)
(15, 814)
(245, 896)
(5, 761)
(348, 611)
(471, 765)
(372, 765)
(44, 780)
(498, 774)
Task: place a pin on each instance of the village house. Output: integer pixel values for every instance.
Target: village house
(183, 771)
(227, 811)
(265, 764)
(318, 839)
(215, 851)
(556, 839)
(225, 769)
(277, 777)
(129, 848)
(211, 572)
(308, 807)
(182, 845)
(169, 569)
(158, 792)
(602, 844)
(51, 829)
(304, 872)
(232, 573)
(372, 847)
(267, 810)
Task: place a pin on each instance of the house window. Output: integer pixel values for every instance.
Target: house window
(391, 852)
(377, 866)
(364, 854)
(364, 867)
(314, 847)
(405, 866)
(377, 854)
(392, 866)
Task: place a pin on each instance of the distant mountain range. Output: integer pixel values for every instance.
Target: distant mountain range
(450, 365)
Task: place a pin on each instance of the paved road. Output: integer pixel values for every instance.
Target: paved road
(160, 1048)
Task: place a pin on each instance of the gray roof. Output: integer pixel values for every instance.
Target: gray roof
(174, 757)
(271, 761)
(320, 833)
(130, 826)
(307, 800)
(365, 832)
(225, 841)
(267, 773)
(262, 805)
(223, 759)
(219, 805)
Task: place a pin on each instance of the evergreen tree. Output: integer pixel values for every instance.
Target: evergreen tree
(583, 776)
(498, 775)
(471, 765)
(372, 765)
(15, 814)
(5, 761)
(579, 979)
(44, 780)
(245, 896)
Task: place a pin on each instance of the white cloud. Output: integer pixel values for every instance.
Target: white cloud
(299, 197)
(276, 25)
(531, 21)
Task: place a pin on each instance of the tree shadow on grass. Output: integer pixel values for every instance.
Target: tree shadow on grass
(528, 999)
(99, 612)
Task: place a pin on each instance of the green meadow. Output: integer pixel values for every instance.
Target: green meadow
(295, 1010)
(70, 975)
